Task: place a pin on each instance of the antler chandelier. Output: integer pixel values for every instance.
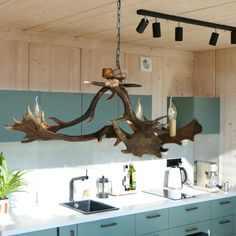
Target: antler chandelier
(147, 136)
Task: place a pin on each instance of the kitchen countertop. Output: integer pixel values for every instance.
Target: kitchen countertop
(22, 220)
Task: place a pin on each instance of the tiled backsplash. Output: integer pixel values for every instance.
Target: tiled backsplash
(53, 163)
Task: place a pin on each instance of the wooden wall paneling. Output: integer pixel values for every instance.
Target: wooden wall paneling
(54, 68)
(226, 79)
(177, 78)
(157, 87)
(135, 75)
(92, 63)
(226, 88)
(204, 83)
(13, 65)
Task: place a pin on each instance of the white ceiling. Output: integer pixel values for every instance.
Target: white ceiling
(96, 20)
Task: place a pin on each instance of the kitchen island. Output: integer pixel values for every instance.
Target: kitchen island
(138, 214)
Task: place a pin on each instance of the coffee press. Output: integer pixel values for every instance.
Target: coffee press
(103, 186)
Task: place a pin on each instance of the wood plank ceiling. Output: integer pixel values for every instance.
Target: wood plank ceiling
(96, 20)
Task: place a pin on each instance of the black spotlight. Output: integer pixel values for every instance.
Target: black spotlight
(214, 38)
(156, 30)
(142, 25)
(178, 33)
(233, 37)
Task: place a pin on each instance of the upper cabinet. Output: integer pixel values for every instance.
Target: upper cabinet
(64, 106)
(14, 65)
(54, 68)
(13, 104)
(205, 109)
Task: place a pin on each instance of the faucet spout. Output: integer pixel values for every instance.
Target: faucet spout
(71, 185)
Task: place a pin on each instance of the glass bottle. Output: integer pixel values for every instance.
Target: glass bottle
(132, 174)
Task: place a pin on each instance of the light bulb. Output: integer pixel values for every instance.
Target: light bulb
(139, 110)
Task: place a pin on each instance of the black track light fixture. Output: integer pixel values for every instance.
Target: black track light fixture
(156, 29)
(178, 33)
(142, 25)
(214, 38)
(179, 30)
(233, 37)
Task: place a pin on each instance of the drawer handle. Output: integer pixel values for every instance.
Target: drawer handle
(72, 233)
(224, 222)
(108, 225)
(191, 209)
(225, 202)
(191, 229)
(153, 216)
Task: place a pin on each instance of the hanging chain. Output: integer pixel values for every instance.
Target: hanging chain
(118, 37)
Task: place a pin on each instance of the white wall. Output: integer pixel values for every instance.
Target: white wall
(52, 164)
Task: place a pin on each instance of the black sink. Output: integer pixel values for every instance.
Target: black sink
(88, 206)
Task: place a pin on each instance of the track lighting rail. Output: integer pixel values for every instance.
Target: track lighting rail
(185, 20)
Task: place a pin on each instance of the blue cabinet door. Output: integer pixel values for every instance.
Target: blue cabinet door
(205, 109)
(146, 102)
(117, 226)
(14, 104)
(64, 106)
(70, 230)
(47, 232)
(105, 111)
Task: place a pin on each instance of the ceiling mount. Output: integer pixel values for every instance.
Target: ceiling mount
(232, 29)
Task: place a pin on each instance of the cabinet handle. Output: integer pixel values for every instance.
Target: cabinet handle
(224, 222)
(72, 233)
(108, 225)
(153, 216)
(191, 209)
(225, 202)
(191, 229)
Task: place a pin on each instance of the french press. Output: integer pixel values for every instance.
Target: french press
(103, 185)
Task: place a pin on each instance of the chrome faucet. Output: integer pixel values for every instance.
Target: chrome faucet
(71, 185)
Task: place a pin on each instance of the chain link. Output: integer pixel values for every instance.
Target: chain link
(118, 36)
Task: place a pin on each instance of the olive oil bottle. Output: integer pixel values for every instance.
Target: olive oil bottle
(132, 174)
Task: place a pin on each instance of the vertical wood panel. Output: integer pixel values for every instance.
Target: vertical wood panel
(134, 75)
(13, 65)
(92, 63)
(54, 68)
(204, 74)
(157, 87)
(226, 80)
(177, 78)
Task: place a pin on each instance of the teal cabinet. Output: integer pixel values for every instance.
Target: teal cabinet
(47, 232)
(159, 233)
(106, 110)
(153, 221)
(70, 230)
(205, 109)
(146, 102)
(64, 106)
(14, 104)
(223, 226)
(191, 229)
(223, 207)
(188, 214)
(117, 226)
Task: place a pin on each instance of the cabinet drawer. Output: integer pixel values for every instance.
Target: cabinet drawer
(223, 207)
(191, 229)
(160, 233)
(151, 221)
(117, 226)
(70, 230)
(223, 226)
(188, 214)
(46, 232)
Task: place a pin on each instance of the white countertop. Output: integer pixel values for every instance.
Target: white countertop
(22, 220)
